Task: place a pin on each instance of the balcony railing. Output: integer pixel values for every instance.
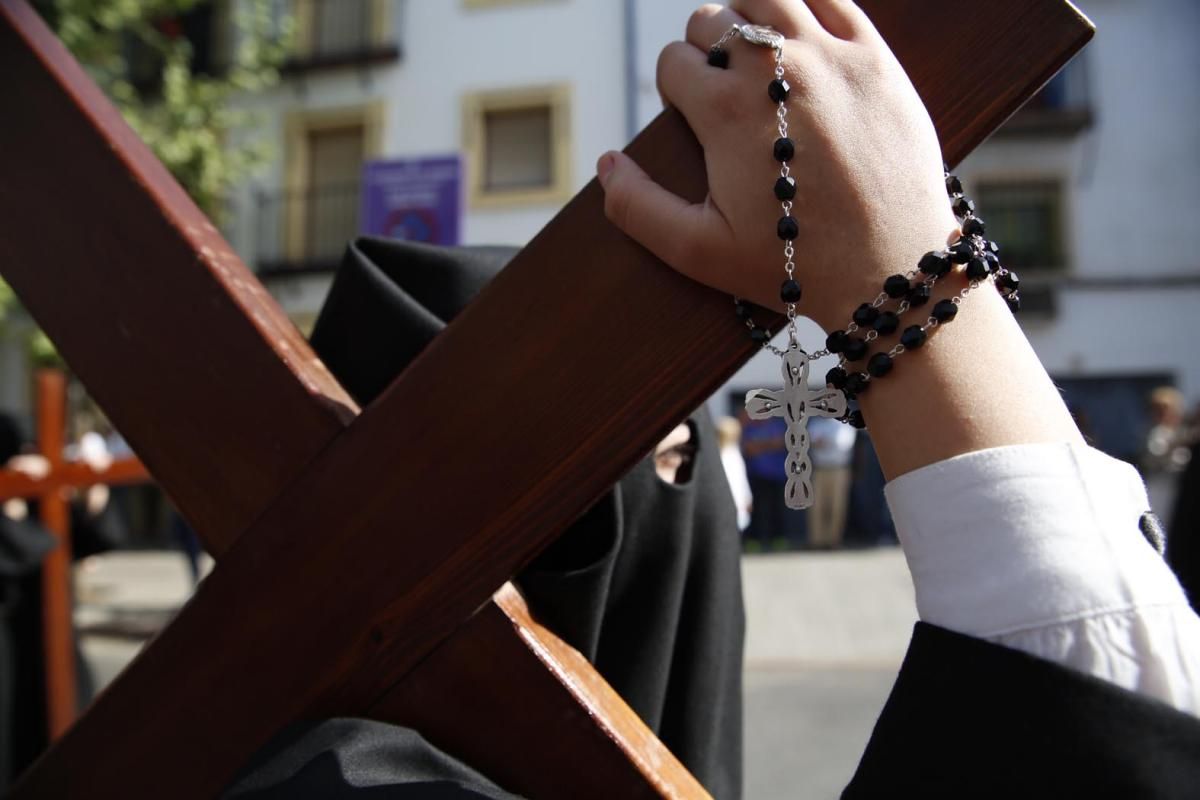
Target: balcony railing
(1062, 108)
(304, 231)
(336, 33)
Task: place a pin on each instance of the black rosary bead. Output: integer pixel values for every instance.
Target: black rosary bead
(836, 342)
(718, 57)
(919, 295)
(855, 349)
(865, 315)
(936, 264)
(1008, 282)
(886, 323)
(836, 378)
(787, 228)
(785, 189)
(785, 149)
(992, 247)
(1014, 302)
(973, 226)
(742, 309)
(896, 287)
(779, 89)
(962, 252)
(879, 365)
(953, 185)
(760, 336)
(963, 207)
(978, 269)
(944, 310)
(856, 384)
(913, 337)
(790, 292)
(993, 260)
(855, 419)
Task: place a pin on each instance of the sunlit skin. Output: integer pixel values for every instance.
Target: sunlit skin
(672, 452)
(871, 201)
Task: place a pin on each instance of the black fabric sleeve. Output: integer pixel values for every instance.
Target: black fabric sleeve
(967, 718)
(359, 759)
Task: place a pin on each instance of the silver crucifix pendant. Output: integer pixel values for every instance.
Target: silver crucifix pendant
(795, 402)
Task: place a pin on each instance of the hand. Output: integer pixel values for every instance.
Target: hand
(33, 465)
(870, 195)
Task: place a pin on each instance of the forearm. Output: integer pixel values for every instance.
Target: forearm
(975, 384)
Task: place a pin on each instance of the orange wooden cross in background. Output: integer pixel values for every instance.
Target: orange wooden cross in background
(52, 491)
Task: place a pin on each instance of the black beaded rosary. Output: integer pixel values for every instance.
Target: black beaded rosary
(796, 402)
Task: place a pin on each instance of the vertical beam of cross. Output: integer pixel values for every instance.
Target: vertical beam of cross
(58, 642)
(51, 491)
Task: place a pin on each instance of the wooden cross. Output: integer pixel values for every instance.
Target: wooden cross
(51, 491)
(330, 597)
(795, 403)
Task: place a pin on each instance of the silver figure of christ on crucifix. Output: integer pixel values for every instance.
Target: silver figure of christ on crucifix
(795, 402)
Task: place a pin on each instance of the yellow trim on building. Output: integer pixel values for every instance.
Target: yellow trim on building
(298, 125)
(476, 106)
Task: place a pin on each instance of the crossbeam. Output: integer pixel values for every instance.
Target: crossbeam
(542, 411)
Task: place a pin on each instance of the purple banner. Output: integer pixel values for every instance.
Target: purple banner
(417, 199)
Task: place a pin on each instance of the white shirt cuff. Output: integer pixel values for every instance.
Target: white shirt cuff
(1025, 536)
(1039, 548)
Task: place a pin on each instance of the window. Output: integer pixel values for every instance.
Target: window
(517, 146)
(336, 158)
(331, 33)
(342, 27)
(307, 223)
(1026, 219)
(517, 151)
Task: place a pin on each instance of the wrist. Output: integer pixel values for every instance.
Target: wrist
(975, 385)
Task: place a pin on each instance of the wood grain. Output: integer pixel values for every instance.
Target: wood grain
(347, 559)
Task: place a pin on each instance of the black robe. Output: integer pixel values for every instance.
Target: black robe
(647, 586)
(1183, 537)
(23, 546)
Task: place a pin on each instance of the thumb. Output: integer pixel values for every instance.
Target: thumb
(661, 221)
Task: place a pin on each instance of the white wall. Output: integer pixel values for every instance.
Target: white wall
(1131, 198)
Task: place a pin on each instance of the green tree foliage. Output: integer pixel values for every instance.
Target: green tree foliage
(139, 53)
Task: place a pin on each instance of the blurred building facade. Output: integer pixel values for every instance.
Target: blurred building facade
(528, 92)
(1089, 190)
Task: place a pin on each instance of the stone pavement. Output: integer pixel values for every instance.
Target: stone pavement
(826, 633)
(825, 636)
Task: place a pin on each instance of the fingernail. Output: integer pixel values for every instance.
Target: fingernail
(604, 167)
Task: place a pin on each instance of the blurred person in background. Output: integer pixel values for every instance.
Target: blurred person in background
(832, 448)
(1183, 538)
(869, 522)
(1166, 450)
(23, 545)
(773, 526)
(729, 435)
